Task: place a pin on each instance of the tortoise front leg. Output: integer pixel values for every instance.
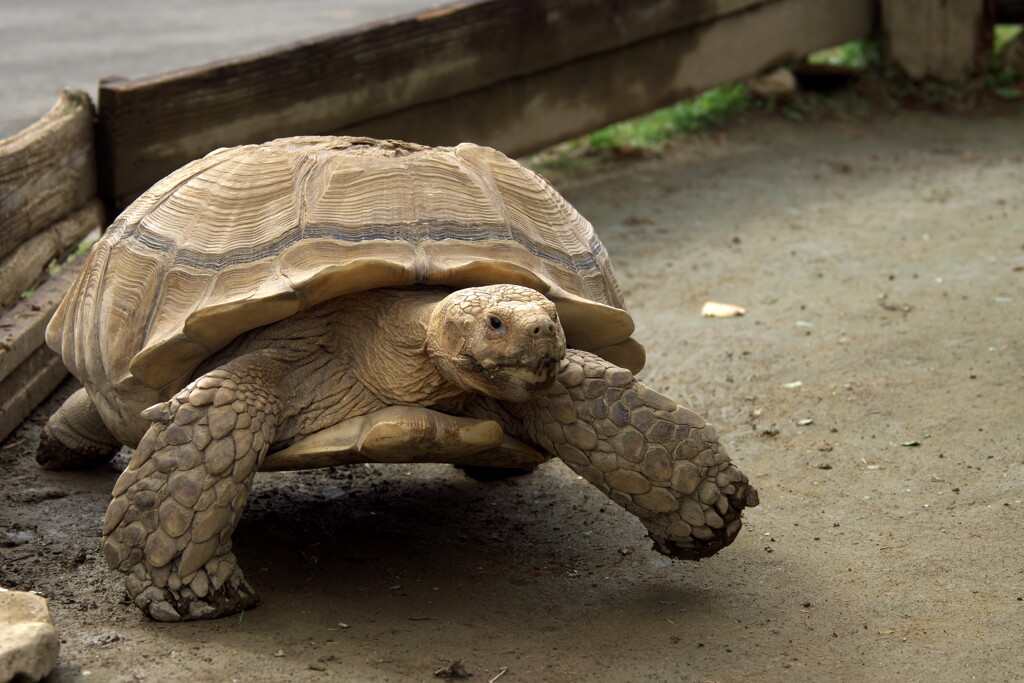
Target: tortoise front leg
(175, 507)
(660, 461)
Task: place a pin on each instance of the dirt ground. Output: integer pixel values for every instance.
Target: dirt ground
(881, 262)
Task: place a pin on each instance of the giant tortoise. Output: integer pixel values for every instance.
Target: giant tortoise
(317, 301)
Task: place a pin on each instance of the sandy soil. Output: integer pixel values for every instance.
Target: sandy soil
(889, 539)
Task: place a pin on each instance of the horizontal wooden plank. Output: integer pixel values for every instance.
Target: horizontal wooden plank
(23, 328)
(149, 127)
(526, 114)
(27, 387)
(26, 265)
(47, 170)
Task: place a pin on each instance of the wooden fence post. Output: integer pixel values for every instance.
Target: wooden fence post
(948, 40)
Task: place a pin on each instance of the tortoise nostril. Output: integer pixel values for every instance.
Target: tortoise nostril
(541, 328)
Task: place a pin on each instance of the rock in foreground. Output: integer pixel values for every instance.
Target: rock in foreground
(28, 638)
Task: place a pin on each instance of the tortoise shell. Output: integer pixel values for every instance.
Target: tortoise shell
(250, 235)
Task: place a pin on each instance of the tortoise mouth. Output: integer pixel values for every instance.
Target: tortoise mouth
(514, 379)
(543, 363)
(541, 373)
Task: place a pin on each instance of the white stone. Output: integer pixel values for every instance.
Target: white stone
(28, 638)
(778, 83)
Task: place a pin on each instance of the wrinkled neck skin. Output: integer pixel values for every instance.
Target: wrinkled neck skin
(350, 356)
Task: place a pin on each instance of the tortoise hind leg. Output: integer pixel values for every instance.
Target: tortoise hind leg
(174, 508)
(75, 437)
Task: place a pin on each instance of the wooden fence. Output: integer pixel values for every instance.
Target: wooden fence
(517, 75)
(514, 74)
(48, 203)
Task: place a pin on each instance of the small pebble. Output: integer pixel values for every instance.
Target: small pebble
(455, 670)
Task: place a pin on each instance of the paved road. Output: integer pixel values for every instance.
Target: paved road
(46, 45)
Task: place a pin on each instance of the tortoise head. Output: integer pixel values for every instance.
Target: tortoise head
(503, 341)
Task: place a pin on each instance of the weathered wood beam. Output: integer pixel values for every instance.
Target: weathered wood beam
(47, 170)
(947, 40)
(528, 113)
(31, 383)
(434, 63)
(24, 266)
(29, 371)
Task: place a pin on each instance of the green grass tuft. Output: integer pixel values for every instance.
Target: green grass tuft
(709, 109)
(1002, 79)
(1004, 34)
(857, 54)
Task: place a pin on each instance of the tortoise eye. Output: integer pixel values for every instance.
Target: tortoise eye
(497, 325)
